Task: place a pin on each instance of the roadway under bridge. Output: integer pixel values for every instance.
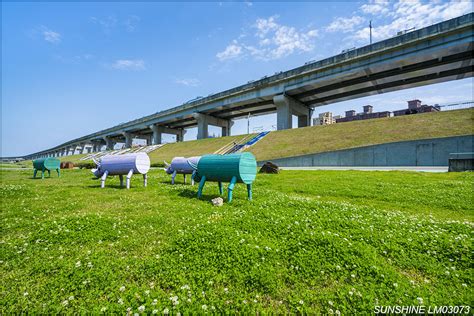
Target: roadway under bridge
(434, 54)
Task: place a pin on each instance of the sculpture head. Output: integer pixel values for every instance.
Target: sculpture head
(168, 167)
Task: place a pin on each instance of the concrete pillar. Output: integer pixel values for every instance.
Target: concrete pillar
(180, 135)
(204, 120)
(128, 139)
(203, 127)
(82, 147)
(156, 137)
(286, 107)
(226, 129)
(109, 143)
(149, 140)
(95, 147)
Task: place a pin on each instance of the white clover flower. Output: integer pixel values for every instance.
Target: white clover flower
(204, 307)
(120, 301)
(395, 284)
(25, 294)
(338, 267)
(166, 311)
(155, 301)
(155, 311)
(353, 276)
(464, 285)
(351, 293)
(65, 302)
(420, 300)
(71, 298)
(103, 309)
(301, 302)
(185, 287)
(338, 312)
(147, 292)
(89, 264)
(78, 264)
(122, 288)
(141, 308)
(330, 303)
(244, 301)
(226, 290)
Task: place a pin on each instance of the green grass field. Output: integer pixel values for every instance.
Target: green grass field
(319, 241)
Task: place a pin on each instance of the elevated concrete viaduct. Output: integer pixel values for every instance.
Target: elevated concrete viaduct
(437, 53)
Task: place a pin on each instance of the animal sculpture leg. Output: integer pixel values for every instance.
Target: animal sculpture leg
(184, 175)
(192, 177)
(201, 186)
(42, 174)
(173, 176)
(49, 173)
(129, 176)
(233, 181)
(102, 179)
(34, 174)
(145, 179)
(249, 191)
(220, 187)
(121, 180)
(58, 172)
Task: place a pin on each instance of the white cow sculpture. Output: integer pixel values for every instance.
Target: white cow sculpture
(180, 165)
(127, 164)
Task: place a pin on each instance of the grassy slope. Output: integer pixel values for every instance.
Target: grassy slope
(355, 239)
(191, 148)
(317, 139)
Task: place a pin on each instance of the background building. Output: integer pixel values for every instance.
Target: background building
(325, 118)
(415, 107)
(367, 114)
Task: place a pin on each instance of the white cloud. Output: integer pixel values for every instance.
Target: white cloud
(270, 40)
(376, 7)
(129, 64)
(107, 23)
(50, 35)
(232, 51)
(391, 17)
(190, 82)
(77, 59)
(131, 23)
(345, 24)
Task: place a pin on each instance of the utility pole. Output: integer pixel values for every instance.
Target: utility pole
(370, 28)
(248, 123)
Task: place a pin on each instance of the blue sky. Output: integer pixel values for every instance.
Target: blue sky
(69, 69)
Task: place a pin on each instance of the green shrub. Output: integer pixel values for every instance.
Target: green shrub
(88, 164)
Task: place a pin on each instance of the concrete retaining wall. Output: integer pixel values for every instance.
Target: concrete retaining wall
(426, 152)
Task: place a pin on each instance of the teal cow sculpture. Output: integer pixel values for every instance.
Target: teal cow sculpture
(233, 168)
(46, 164)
